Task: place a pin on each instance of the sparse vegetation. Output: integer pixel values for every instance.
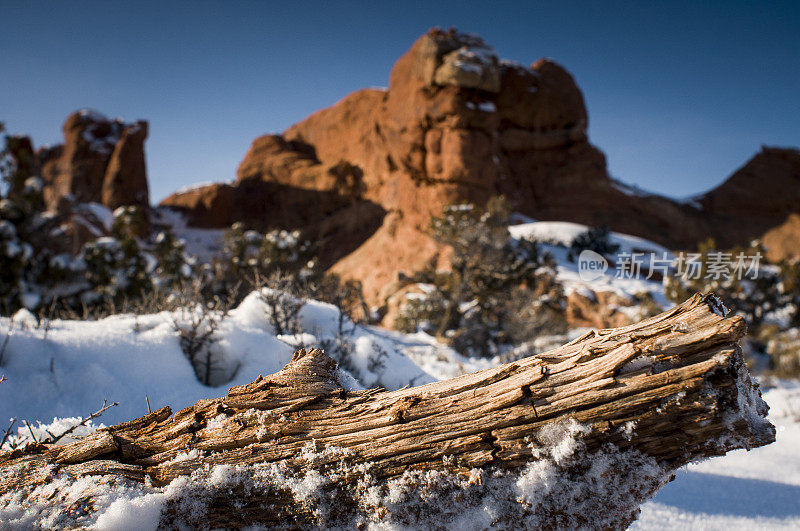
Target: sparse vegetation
(767, 296)
(197, 322)
(283, 299)
(595, 239)
(494, 284)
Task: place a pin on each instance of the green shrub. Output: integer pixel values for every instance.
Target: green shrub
(493, 280)
(595, 239)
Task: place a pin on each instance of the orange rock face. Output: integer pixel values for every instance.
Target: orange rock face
(757, 197)
(101, 161)
(599, 311)
(783, 241)
(457, 124)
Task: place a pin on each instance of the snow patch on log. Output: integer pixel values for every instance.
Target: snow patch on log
(569, 438)
(566, 485)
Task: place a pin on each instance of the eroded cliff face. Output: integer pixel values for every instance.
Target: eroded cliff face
(760, 195)
(100, 161)
(459, 124)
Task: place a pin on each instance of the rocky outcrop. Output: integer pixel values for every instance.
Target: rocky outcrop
(207, 207)
(328, 204)
(101, 161)
(757, 197)
(459, 124)
(597, 309)
(783, 241)
(125, 179)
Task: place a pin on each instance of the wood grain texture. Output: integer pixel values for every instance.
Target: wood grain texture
(677, 380)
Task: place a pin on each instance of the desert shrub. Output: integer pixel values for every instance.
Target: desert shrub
(117, 268)
(476, 305)
(783, 348)
(420, 311)
(196, 322)
(174, 266)
(348, 298)
(753, 296)
(540, 315)
(29, 236)
(646, 306)
(248, 254)
(283, 299)
(346, 295)
(790, 289)
(595, 239)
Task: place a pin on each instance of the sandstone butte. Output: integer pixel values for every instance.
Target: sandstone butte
(101, 161)
(458, 124)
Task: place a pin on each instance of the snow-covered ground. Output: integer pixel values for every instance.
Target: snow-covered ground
(555, 238)
(66, 369)
(759, 489)
(62, 370)
(563, 232)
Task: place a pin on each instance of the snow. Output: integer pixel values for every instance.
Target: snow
(101, 212)
(195, 186)
(93, 115)
(485, 106)
(563, 232)
(204, 244)
(544, 491)
(60, 371)
(759, 489)
(67, 368)
(555, 238)
(693, 201)
(629, 189)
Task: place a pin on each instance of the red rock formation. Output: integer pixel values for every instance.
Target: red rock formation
(125, 180)
(457, 124)
(783, 241)
(758, 196)
(599, 310)
(209, 206)
(101, 161)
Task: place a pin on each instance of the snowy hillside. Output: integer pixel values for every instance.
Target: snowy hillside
(67, 368)
(59, 371)
(555, 238)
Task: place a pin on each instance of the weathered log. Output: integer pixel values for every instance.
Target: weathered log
(658, 394)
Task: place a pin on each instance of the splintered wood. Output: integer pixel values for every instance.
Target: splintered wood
(674, 387)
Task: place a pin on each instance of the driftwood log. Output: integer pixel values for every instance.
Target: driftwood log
(673, 388)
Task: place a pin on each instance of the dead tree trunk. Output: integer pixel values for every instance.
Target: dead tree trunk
(663, 392)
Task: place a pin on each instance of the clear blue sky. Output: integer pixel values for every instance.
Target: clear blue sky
(679, 94)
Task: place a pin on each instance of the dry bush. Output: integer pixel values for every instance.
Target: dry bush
(197, 322)
(784, 350)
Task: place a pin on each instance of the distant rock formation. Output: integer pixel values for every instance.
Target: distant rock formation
(783, 242)
(760, 195)
(459, 124)
(101, 161)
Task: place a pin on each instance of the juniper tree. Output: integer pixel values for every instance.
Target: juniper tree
(473, 304)
(595, 239)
